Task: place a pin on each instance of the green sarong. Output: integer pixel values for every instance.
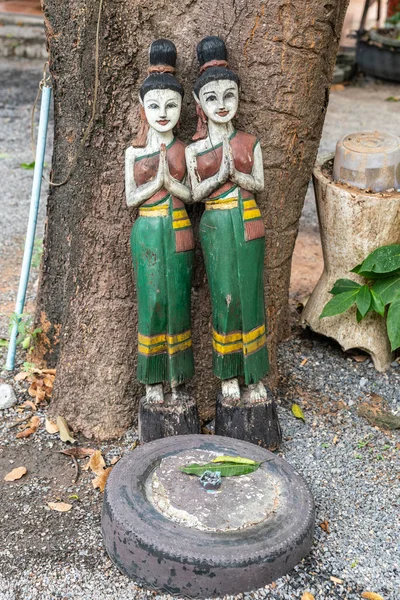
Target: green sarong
(163, 283)
(235, 275)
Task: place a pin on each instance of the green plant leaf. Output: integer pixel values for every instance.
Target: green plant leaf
(388, 288)
(363, 300)
(238, 460)
(393, 324)
(344, 285)
(3, 342)
(377, 303)
(28, 166)
(383, 260)
(371, 275)
(298, 413)
(226, 469)
(26, 342)
(339, 304)
(359, 316)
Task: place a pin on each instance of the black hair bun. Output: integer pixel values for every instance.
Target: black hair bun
(211, 48)
(163, 52)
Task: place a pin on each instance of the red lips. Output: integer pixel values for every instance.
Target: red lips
(223, 113)
(165, 122)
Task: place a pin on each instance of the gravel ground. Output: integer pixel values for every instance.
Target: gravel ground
(351, 466)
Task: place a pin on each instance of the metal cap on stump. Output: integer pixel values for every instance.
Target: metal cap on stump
(368, 160)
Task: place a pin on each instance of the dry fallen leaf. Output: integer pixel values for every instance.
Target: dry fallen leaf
(307, 596)
(298, 413)
(15, 474)
(51, 427)
(49, 371)
(100, 481)
(96, 463)
(325, 526)
(335, 440)
(337, 87)
(21, 376)
(65, 433)
(303, 362)
(79, 453)
(371, 596)
(59, 506)
(31, 427)
(114, 460)
(360, 358)
(336, 580)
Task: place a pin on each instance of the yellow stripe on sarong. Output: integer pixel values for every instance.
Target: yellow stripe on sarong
(227, 348)
(180, 337)
(157, 344)
(253, 346)
(150, 340)
(154, 211)
(180, 224)
(152, 349)
(221, 204)
(253, 334)
(249, 204)
(226, 339)
(252, 214)
(179, 347)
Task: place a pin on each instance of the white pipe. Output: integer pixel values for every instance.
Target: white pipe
(33, 214)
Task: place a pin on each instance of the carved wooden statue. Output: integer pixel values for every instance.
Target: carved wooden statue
(226, 171)
(162, 250)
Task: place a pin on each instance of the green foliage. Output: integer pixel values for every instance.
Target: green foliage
(37, 253)
(28, 166)
(344, 285)
(381, 269)
(26, 334)
(340, 303)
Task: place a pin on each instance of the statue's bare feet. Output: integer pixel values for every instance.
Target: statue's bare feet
(230, 389)
(258, 392)
(155, 393)
(179, 393)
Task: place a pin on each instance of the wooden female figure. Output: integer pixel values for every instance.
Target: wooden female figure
(226, 170)
(162, 236)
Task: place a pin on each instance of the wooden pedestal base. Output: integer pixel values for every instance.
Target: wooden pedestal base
(255, 423)
(167, 419)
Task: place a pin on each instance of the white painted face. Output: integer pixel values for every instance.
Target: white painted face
(163, 109)
(219, 100)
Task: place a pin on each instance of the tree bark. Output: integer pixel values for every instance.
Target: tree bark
(284, 52)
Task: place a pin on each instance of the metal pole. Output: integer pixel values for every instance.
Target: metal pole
(33, 214)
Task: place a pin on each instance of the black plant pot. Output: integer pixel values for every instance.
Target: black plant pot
(378, 55)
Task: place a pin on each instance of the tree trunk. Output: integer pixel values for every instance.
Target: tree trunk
(284, 52)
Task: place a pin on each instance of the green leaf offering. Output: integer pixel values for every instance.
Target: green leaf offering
(226, 469)
(238, 460)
